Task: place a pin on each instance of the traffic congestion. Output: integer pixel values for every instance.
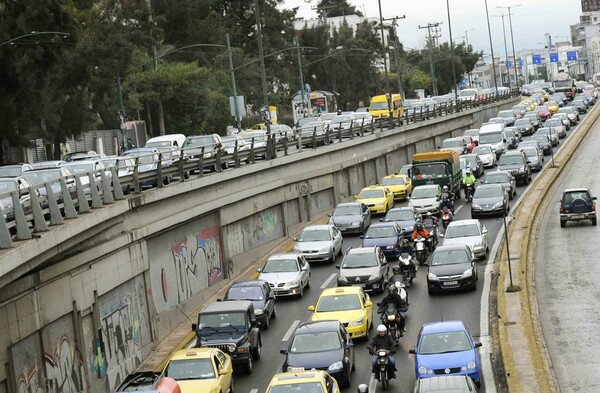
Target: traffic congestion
(391, 293)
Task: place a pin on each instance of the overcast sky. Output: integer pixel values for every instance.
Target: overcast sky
(530, 21)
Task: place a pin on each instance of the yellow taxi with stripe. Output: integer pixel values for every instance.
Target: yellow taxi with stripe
(313, 381)
(378, 198)
(349, 305)
(400, 185)
(201, 370)
(552, 106)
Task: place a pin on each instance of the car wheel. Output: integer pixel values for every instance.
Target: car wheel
(249, 366)
(563, 223)
(594, 221)
(256, 352)
(231, 386)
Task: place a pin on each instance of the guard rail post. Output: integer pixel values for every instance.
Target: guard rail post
(218, 166)
(55, 216)
(69, 205)
(351, 133)
(361, 131)
(252, 155)
(5, 237)
(326, 142)
(180, 169)
(285, 144)
(39, 222)
(380, 123)
(23, 232)
(117, 188)
(236, 158)
(339, 135)
(406, 116)
(159, 178)
(96, 201)
(106, 191)
(201, 163)
(137, 188)
(314, 138)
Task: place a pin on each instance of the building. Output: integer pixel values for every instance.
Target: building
(590, 5)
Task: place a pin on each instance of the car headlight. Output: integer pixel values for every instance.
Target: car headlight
(342, 279)
(422, 370)
(336, 366)
(431, 277)
(355, 223)
(522, 170)
(292, 283)
(297, 250)
(374, 277)
(471, 365)
(325, 249)
(357, 322)
(475, 206)
(467, 273)
(499, 204)
(231, 347)
(259, 311)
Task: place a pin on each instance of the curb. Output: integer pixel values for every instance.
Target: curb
(527, 364)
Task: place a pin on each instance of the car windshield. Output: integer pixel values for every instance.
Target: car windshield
(80, 168)
(424, 192)
(452, 143)
(245, 293)
(341, 119)
(488, 192)
(377, 106)
(356, 261)
(306, 387)
(338, 303)
(182, 370)
(198, 141)
(446, 342)
(347, 210)
(545, 131)
(39, 177)
(466, 93)
(369, 194)
(327, 116)
(449, 257)
(508, 114)
(318, 235)
(400, 215)
(530, 151)
(12, 171)
(496, 178)
(315, 342)
(281, 266)
(158, 144)
(482, 150)
(429, 170)
(145, 157)
(522, 123)
(511, 160)
(462, 231)
(226, 319)
(392, 181)
(471, 132)
(493, 137)
(7, 186)
(375, 232)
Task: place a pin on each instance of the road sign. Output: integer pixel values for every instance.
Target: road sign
(520, 62)
(536, 59)
(241, 107)
(572, 55)
(508, 63)
(554, 57)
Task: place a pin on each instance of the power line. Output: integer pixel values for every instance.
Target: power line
(431, 43)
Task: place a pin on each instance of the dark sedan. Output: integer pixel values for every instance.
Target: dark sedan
(473, 162)
(452, 267)
(524, 126)
(260, 294)
(321, 345)
(534, 118)
(505, 179)
(544, 142)
(489, 200)
(386, 235)
(403, 216)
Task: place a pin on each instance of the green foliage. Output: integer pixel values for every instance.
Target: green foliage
(332, 8)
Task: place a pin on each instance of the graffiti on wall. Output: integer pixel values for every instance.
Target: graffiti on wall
(30, 381)
(124, 330)
(261, 228)
(64, 368)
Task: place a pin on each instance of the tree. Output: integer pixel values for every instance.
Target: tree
(333, 8)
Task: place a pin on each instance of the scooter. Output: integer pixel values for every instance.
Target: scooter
(469, 188)
(390, 317)
(421, 250)
(446, 217)
(382, 364)
(405, 267)
(397, 280)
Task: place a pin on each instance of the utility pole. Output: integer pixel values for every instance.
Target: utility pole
(233, 86)
(429, 26)
(261, 56)
(452, 52)
(304, 108)
(396, 54)
(385, 65)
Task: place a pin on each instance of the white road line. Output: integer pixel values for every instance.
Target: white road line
(458, 209)
(329, 279)
(372, 383)
(254, 391)
(291, 330)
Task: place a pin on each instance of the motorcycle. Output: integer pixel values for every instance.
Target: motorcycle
(390, 317)
(382, 363)
(421, 250)
(446, 217)
(405, 268)
(397, 280)
(447, 201)
(432, 228)
(469, 189)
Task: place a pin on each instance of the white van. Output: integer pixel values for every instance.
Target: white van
(494, 138)
(170, 142)
(486, 127)
(469, 95)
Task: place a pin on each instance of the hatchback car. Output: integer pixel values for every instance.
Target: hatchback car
(535, 120)
(287, 274)
(386, 235)
(201, 370)
(508, 115)
(401, 186)
(403, 216)
(351, 217)
(451, 268)
(365, 267)
(470, 232)
(544, 142)
(446, 348)
(517, 164)
(489, 199)
(577, 204)
(472, 162)
(487, 155)
(260, 294)
(504, 178)
(321, 345)
(549, 132)
(558, 126)
(319, 243)
(535, 156)
(426, 198)
(445, 383)
(379, 199)
(457, 144)
(524, 126)
(317, 381)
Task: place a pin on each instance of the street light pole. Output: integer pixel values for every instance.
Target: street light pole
(34, 33)
(261, 56)
(385, 67)
(467, 35)
(233, 86)
(452, 52)
(487, 14)
(513, 41)
(396, 54)
(301, 76)
(505, 49)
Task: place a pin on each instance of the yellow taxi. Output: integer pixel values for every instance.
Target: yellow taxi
(313, 381)
(400, 185)
(201, 370)
(552, 106)
(349, 305)
(529, 104)
(378, 198)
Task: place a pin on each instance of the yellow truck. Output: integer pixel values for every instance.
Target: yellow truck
(378, 107)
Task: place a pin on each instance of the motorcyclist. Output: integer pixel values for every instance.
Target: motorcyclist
(393, 297)
(421, 230)
(430, 222)
(383, 341)
(468, 180)
(447, 198)
(444, 210)
(405, 247)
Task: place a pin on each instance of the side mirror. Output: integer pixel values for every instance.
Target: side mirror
(368, 304)
(355, 197)
(271, 297)
(283, 351)
(384, 262)
(295, 239)
(223, 371)
(259, 270)
(329, 215)
(194, 327)
(477, 345)
(362, 236)
(412, 351)
(484, 230)
(311, 308)
(441, 235)
(337, 266)
(381, 220)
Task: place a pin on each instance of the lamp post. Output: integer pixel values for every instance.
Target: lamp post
(512, 40)
(34, 33)
(261, 57)
(467, 35)
(385, 67)
(505, 49)
(487, 14)
(452, 52)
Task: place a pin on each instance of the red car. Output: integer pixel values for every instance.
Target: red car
(543, 111)
(471, 143)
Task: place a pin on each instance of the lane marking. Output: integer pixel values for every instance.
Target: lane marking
(291, 330)
(329, 279)
(254, 391)
(372, 383)
(458, 209)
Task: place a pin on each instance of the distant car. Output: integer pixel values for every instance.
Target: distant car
(379, 199)
(504, 178)
(473, 162)
(557, 125)
(302, 381)
(405, 217)
(195, 145)
(343, 122)
(457, 144)
(534, 118)
(363, 118)
(319, 243)
(446, 348)
(470, 232)
(260, 294)
(577, 204)
(579, 105)
(38, 177)
(231, 143)
(366, 267)
(321, 345)
(9, 184)
(511, 136)
(509, 115)
(401, 186)
(148, 161)
(473, 133)
(524, 126)
(517, 164)
(445, 383)
(487, 155)
(47, 164)
(404, 170)
(82, 168)
(426, 198)
(287, 274)
(14, 170)
(566, 122)
(470, 141)
(386, 235)
(572, 113)
(543, 111)
(534, 155)
(451, 268)
(501, 120)
(351, 217)
(550, 132)
(544, 142)
(201, 370)
(82, 155)
(489, 199)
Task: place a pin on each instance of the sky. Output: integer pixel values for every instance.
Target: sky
(530, 21)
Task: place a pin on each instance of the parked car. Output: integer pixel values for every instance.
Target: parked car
(577, 204)
(366, 267)
(451, 268)
(470, 232)
(489, 199)
(260, 294)
(386, 235)
(287, 274)
(319, 243)
(351, 217)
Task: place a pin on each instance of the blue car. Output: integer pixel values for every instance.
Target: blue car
(446, 348)
(403, 216)
(386, 235)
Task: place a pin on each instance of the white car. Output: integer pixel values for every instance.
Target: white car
(469, 232)
(359, 116)
(319, 243)
(287, 274)
(487, 155)
(426, 198)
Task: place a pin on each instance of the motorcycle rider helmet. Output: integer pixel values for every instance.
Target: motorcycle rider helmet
(405, 243)
(468, 172)
(419, 226)
(381, 329)
(445, 188)
(429, 215)
(392, 290)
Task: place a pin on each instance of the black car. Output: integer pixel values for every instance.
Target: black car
(544, 142)
(260, 294)
(517, 164)
(579, 105)
(452, 267)
(321, 345)
(472, 161)
(577, 204)
(232, 327)
(535, 119)
(405, 217)
(524, 126)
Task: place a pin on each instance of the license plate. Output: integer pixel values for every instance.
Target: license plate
(449, 283)
(577, 216)
(294, 369)
(361, 285)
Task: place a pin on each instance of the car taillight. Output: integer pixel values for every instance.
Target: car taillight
(593, 207)
(562, 210)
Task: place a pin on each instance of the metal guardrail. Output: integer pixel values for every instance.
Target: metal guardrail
(30, 212)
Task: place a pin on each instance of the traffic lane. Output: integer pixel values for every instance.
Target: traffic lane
(566, 274)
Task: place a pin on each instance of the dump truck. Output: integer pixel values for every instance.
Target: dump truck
(437, 167)
(563, 83)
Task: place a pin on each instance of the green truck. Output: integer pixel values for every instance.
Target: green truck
(437, 167)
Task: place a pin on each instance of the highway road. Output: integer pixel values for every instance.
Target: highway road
(470, 307)
(566, 278)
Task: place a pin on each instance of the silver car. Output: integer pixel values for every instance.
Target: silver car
(470, 232)
(319, 243)
(535, 157)
(287, 274)
(550, 132)
(504, 178)
(558, 126)
(351, 217)
(489, 200)
(426, 198)
(365, 267)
